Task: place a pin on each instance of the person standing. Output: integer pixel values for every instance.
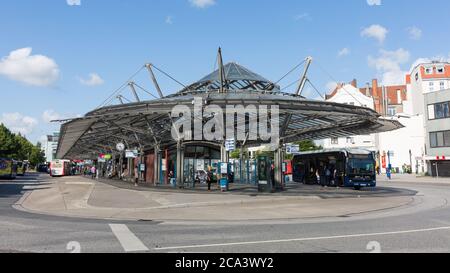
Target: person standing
(327, 176)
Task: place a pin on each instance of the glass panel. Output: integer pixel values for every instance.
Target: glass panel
(447, 138)
(361, 166)
(200, 151)
(439, 110)
(440, 139)
(215, 154)
(445, 110)
(433, 141)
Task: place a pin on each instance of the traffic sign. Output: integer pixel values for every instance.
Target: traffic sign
(230, 145)
(292, 148)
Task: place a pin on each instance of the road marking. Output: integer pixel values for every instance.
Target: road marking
(127, 239)
(79, 183)
(307, 239)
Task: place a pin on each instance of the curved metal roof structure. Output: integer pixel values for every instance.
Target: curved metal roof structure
(236, 77)
(148, 124)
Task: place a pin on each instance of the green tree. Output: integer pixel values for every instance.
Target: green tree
(308, 145)
(17, 147)
(24, 148)
(8, 143)
(37, 155)
(235, 154)
(304, 146)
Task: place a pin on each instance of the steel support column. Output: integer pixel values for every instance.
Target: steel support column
(224, 156)
(121, 165)
(157, 164)
(180, 163)
(241, 163)
(278, 168)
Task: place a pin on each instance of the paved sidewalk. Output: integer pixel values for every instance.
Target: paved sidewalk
(412, 178)
(291, 189)
(82, 197)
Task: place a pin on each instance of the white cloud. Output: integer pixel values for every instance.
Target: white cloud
(36, 70)
(93, 80)
(169, 20)
(415, 33)
(73, 2)
(19, 123)
(303, 16)
(344, 52)
(388, 64)
(202, 3)
(375, 31)
(50, 115)
(374, 2)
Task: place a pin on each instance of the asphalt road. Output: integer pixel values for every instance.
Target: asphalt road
(423, 226)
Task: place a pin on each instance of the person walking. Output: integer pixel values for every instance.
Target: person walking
(209, 178)
(93, 172)
(136, 175)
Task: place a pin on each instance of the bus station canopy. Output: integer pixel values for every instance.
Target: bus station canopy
(148, 123)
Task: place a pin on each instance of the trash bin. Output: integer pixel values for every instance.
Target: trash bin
(224, 184)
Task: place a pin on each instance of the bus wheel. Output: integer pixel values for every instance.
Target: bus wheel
(357, 188)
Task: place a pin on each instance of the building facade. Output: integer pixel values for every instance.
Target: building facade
(429, 86)
(350, 94)
(402, 149)
(51, 146)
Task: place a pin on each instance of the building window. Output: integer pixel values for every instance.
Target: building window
(440, 139)
(334, 140)
(442, 85)
(350, 140)
(352, 103)
(417, 76)
(441, 110)
(392, 111)
(431, 85)
(440, 70)
(428, 70)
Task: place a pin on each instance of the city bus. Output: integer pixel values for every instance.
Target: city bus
(348, 167)
(60, 167)
(8, 168)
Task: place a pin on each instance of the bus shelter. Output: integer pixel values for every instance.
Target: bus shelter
(146, 127)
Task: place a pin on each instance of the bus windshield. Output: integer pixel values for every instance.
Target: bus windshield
(57, 165)
(361, 166)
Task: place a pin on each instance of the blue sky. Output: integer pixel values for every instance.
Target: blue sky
(60, 60)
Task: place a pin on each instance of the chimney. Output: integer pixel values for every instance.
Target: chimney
(368, 90)
(376, 96)
(354, 83)
(375, 88)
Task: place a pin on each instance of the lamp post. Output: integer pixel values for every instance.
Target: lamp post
(410, 160)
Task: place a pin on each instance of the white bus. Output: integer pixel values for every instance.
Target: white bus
(60, 167)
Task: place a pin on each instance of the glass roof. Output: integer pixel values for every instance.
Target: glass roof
(236, 77)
